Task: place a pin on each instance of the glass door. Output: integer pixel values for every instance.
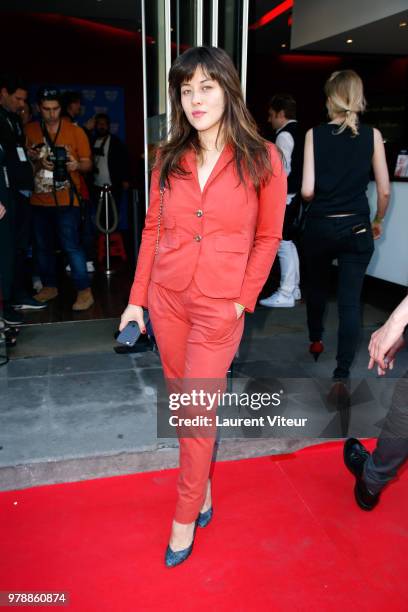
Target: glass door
(169, 27)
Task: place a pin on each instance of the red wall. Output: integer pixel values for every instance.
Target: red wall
(46, 48)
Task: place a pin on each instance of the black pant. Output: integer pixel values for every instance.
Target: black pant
(6, 247)
(326, 239)
(22, 241)
(291, 214)
(392, 446)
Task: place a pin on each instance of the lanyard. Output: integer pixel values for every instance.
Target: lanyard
(101, 146)
(14, 125)
(50, 141)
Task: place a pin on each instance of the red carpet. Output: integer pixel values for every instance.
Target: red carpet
(286, 536)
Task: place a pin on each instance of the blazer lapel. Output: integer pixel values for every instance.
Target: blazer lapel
(224, 159)
(191, 163)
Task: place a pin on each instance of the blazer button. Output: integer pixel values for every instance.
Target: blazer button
(199, 213)
(197, 238)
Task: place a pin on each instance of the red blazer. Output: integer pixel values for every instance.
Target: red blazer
(225, 237)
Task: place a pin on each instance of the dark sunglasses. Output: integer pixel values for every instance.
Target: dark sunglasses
(51, 94)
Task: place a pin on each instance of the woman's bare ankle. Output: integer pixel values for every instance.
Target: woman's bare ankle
(182, 535)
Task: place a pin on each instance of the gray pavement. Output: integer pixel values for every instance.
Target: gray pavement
(91, 413)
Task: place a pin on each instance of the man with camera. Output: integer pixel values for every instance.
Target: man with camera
(60, 151)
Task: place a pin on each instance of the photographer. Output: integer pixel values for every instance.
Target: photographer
(71, 110)
(60, 152)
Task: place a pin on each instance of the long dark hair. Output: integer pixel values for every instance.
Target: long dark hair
(237, 125)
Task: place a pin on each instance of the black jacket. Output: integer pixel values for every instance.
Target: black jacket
(20, 173)
(295, 176)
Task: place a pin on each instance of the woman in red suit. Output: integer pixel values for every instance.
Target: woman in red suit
(212, 231)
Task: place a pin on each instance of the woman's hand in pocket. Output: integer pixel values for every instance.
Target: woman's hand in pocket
(132, 313)
(239, 309)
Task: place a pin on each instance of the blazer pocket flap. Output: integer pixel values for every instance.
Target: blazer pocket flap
(171, 240)
(231, 244)
(169, 222)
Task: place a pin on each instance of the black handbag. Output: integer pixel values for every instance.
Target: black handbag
(298, 226)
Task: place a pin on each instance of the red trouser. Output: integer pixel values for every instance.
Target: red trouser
(197, 337)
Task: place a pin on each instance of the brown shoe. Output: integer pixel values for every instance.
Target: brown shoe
(339, 395)
(84, 300)
(46, 294)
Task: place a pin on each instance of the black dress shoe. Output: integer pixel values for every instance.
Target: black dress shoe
(364, 498)
(355, 456)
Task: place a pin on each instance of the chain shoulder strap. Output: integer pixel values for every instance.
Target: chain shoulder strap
(162, 190)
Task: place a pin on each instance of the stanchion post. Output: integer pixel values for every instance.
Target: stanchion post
(106, 195)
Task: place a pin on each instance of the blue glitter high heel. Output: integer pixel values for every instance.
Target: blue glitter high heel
(205, 517)
(173, 558)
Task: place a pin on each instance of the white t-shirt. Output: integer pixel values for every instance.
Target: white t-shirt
(102, 177)
(284, 141)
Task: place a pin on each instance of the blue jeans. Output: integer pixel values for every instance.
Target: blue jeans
(59, 223)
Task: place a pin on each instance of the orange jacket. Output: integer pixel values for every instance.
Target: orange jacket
(225, 237)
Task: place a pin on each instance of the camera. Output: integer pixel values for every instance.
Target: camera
(58, 157)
